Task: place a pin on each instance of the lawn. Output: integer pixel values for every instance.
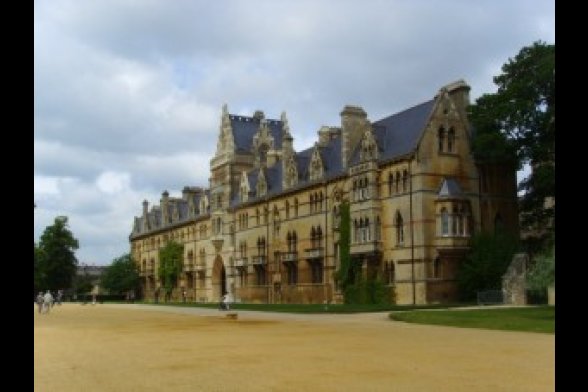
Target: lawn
(314, 308)
(528, 319)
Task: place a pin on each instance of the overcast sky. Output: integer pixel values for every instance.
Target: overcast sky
(128, 93)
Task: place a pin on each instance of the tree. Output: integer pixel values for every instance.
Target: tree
(170, 265)
(485, 263)
(542, 274)
(56, 263)
(83, 283)
(518, 122)
(39, 279)
(121, 275)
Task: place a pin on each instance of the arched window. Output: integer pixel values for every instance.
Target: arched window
(368, 234)
(444, 222)
(355, 231)
(296, 207)
(441, 139)
(312, 237)
(287, 209)
(399, 224)
(454, 219)
(405, 181)
(450, 140)
(319, 237)
(320, 201)
(397, 182)
(390, 183)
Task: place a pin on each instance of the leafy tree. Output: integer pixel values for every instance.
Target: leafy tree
(121, 276)
(39, 279)
(170, 266)
(518, 121)
(56, 262)
(489, 257)
(542, 274)
(344, 276)
(83, 283)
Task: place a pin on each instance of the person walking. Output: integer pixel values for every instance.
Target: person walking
(59, 296)
(40, 301)
(47, 301)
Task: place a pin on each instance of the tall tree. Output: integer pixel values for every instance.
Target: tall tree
(487, 260)
(519, 121)
(57, 263)
(121, 276)
(171, 258)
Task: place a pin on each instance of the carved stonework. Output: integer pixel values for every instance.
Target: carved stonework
(369, 148)
(244, 187)
(261, 184)
(226, 141)
(290, 173)
(263, 142)
(316, 169)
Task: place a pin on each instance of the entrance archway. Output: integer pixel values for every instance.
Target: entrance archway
(219, 278)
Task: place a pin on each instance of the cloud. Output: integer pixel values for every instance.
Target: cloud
(128, 94)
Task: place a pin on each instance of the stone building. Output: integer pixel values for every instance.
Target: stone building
(267, 228)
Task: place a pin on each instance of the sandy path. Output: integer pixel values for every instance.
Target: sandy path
(149, 348)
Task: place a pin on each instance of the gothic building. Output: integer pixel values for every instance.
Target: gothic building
(267, 228)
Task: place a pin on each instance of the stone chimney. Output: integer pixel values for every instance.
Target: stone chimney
(145, 207)
(459, 92)
(353, 122)
(164, 211)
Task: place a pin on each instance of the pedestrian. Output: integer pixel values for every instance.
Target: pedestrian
(59, 296)
(93, 299)
(40, 301)
(47, 301)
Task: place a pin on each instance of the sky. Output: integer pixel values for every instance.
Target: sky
(128, 93)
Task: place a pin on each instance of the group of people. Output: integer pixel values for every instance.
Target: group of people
(46, 301)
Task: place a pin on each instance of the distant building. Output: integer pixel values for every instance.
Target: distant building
(267, 228)
(95, 271)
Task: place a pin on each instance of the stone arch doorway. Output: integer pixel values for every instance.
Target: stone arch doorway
(219, 278)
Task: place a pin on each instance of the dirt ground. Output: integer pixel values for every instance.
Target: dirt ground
(147, 348)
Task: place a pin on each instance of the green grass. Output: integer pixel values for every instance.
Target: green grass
(311, 308)
(528, 319)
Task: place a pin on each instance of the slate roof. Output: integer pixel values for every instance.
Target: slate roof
(450, 188)
(244, 128)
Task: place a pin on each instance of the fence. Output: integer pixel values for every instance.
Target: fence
(490, 297)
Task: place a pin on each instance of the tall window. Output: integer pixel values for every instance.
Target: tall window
(311, 203)
(316, 271)
(378, 229)
(397, 182)
(292, 241)
(295, 207)
(261, 246)
(405, 181)
(292, 271)
(454, 219)
(444, 222)
(389, 272)
(450, 139)
(287, 209)
(441, 139)
(390, 183)
(257, 216)
(260, 274)
(399, 223)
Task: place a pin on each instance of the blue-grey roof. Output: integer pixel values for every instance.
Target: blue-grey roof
(244, 128)
(450, 188)
(398, 134)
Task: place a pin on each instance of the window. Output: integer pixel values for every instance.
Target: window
(311, 203)
(378, 229)
(444, 222)
(441, 139)
(292, 272)
(292, 241)
(397, 182)
(242, 273)
(316, 272)
(261, 246)
(405, 181)
(450, 140)
(260, 274)
(295, 207)
(316, 237)
(257, 216)
(287, 209)
(390, 183)
(454, 219)
(399, 223)
(389, 272)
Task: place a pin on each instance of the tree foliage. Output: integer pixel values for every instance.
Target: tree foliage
(121, 275)
(542, 274)
(55, 260)
(488, 259)
(170, 265)
(518, 121)
(83, 283)
(342, 276)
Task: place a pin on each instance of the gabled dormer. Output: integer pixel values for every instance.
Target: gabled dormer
(368, 149)
(244, 188)
(316, 167)
(263, 141)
